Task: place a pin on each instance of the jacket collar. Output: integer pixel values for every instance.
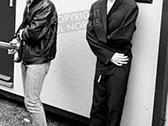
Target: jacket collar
(34, 3)
(103, 11)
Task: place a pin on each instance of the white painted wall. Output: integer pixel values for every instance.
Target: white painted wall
(141, 88)
(69, 83)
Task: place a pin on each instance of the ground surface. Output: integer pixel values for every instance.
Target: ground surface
(15, 114)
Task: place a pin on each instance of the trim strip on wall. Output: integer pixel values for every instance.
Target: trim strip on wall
(161, 88)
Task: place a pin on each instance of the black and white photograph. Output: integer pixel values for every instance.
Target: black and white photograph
(83, 63)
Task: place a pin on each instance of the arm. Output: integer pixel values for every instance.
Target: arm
(36, 28)
(123, 34)
(102, 53)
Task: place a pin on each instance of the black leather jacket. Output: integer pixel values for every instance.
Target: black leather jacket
(40, 32)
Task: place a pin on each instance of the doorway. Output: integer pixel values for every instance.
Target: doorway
(7, 29)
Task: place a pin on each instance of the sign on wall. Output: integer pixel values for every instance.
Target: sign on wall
(144, 1)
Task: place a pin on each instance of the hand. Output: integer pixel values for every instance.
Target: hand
(119, 59)
(20, 33)
(13, 42)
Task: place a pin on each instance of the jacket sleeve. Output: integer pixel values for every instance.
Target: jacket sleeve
(36, 29)
(98, 48)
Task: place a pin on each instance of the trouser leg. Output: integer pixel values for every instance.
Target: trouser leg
(99, 104)
(33, 78)
(108, 100)
(116, 90)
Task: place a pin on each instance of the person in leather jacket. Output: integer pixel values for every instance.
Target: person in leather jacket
(38, 32)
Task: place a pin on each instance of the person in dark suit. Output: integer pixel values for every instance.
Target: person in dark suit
(110, 29)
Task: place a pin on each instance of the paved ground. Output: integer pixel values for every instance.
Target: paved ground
(14, 114)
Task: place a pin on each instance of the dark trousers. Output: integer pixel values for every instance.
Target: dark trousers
(108, 100)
